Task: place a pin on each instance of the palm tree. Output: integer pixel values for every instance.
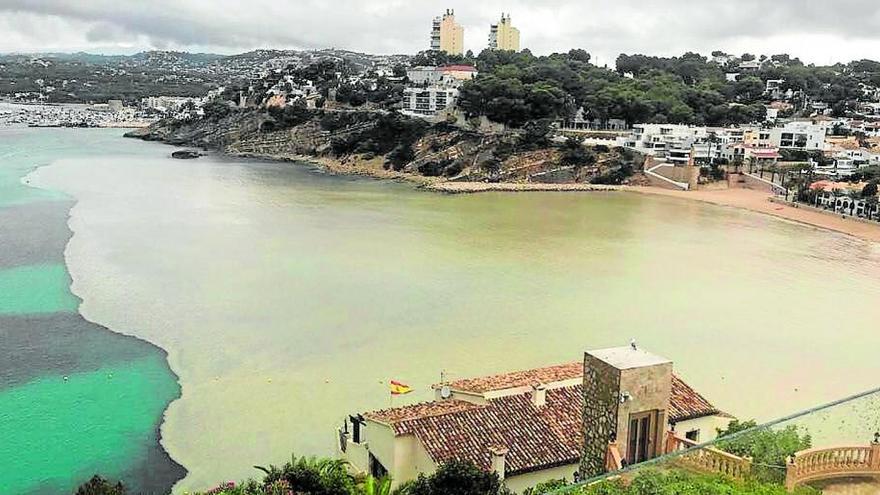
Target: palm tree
(376, 486)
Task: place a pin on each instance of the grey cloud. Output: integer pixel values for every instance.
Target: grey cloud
(607, 27)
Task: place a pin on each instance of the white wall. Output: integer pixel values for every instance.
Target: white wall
(519, 483)
(708, 427)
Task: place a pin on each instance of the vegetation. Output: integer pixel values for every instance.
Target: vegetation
(392, 134)
(100, 486)
(460, 478)
(656, 482)
(514, 88)
(769, 449)
(287, 117)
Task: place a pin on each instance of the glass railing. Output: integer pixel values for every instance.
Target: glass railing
(833, 447)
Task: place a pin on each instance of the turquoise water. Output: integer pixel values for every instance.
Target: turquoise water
(35, 289)
(75, 398)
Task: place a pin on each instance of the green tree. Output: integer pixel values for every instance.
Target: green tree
(769, 449)
(575, 154)
(579, 54)
(311, 475)
(100, 486)
(870, 189)
(456, 477)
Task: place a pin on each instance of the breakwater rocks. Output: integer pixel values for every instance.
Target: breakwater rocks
(186, 155)
(478, 187)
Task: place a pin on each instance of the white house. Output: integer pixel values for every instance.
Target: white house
(529, 426)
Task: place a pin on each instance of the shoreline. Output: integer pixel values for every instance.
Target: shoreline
(744, 199)
(765, 204)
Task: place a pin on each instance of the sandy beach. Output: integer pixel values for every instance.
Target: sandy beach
(748, 199)
(759, 201)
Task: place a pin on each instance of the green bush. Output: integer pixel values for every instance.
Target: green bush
(769, 449)
(456, 477)
(100, 486)
(654, 482)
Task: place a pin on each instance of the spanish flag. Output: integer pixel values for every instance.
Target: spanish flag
(398, 388)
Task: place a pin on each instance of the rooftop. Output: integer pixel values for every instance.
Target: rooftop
(518, 379)
(538, 437)
(624, 358)
(463, 68)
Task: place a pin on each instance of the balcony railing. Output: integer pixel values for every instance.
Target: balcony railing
(835, 462)
(708, 459)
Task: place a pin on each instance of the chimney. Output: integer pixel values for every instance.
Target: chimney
(497, 454)
(539, 395)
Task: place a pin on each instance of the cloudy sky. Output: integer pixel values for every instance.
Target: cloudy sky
(819, 31)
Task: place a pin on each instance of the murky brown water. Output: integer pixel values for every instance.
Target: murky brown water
(287, 298)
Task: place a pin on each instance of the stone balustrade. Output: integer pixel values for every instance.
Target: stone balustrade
(708, 459)
(834, 462)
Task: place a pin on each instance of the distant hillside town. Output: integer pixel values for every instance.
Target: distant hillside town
(503, 115)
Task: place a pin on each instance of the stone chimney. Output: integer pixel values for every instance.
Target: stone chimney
(497, 455)
(539, 395)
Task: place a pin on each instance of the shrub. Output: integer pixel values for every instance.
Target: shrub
(765, 446)
(100, 486)
(576, 155)
(651, 482)
(460, 478)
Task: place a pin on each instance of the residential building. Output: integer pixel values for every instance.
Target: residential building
(750, 65)
(842, 197)
(451, 75)
(531, 426)
(798, 135)
(503, 36)
(447, 35)
(749, 154)
(428, 101)
(424, 75)
(581, 122)
(458, 73)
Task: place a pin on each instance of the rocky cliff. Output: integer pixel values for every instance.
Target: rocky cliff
(390, 145)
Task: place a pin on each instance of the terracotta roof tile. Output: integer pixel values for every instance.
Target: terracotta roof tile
(537, 437)
(519, 378)
(686, 403)
(422, 410)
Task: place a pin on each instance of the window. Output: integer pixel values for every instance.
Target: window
(376, 468)
(693, 435)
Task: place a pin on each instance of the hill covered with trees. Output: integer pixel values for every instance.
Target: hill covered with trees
(514, 88)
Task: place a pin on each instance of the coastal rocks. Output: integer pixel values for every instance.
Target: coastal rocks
(186, 155)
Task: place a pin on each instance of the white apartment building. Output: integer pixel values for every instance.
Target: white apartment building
(799, 136)
(658, 139)
(677, 143)
(429, 101)
(805, 136)
(424, 75)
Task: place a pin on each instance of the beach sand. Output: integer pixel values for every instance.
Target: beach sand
(760, 202)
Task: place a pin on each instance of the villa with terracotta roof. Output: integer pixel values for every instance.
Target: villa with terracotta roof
(535, 425)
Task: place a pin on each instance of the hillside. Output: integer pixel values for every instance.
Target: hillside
(387, 144)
